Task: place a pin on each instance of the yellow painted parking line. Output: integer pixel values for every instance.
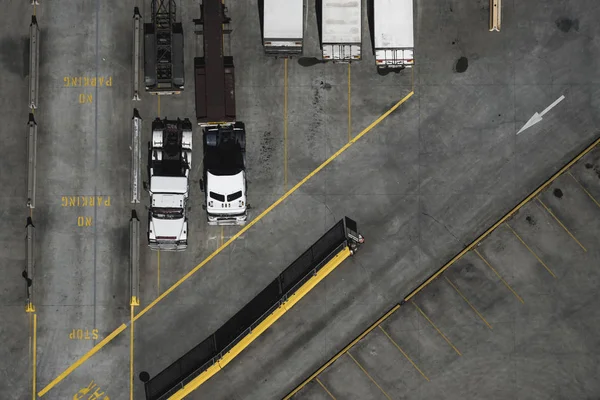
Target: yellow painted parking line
(285, 123)
(369, 376)
(530, 250)
(158, 271)
(499, 276)
(325, 389)
(342, 352)
(237, 235)
(34, 350)
(560, 223)
(436, 328)
(468, 302)
(584, 189)
(403, 353)
(272, 206)
(349, 103)
(131, 357)
(83, 359)
(503, 219)
(267, 322)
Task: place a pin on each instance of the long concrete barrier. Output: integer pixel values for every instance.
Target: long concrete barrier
(34, 62)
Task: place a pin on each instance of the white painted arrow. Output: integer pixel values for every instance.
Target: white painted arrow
(538, 117)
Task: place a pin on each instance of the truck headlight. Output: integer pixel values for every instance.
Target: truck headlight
(241, 203)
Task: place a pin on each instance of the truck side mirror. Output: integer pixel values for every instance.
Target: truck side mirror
(202, 185)
(145, 185)
(204, 207)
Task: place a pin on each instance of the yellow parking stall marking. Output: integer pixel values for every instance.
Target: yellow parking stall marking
(436, 328)
(275, 204)
(500, 277)
(349, 104)
(158, 268)
(131, 356)
(560, 223)
(325, 389)
(530, 250)
(368, 375)
(503, 219)
(584, 189)
(468, 302)
(34, 378)
(403, 353)
(241, 232)
(342, 352)
(285, 123)
(83, 359)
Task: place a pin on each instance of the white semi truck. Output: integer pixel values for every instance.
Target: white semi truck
(341, 30)
(394, 34)
(169, 165)
(283, 27)
(224, 177)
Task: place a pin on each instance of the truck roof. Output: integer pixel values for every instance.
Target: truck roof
(342, 21)
(394, 27)
(171, 184)
(283, 19)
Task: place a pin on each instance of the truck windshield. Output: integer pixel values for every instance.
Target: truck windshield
(167, 213)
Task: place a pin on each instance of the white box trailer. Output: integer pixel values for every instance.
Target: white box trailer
(283, 26)
(394, 33)
(341, 30)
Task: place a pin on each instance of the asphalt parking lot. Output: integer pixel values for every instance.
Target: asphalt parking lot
(513, 318)
(421, 184)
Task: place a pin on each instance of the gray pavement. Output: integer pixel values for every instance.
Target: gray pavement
(423, 183)
(497, 324)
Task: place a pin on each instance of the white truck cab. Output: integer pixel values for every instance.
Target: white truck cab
(224, 182)
(226, 198)
(169, 163)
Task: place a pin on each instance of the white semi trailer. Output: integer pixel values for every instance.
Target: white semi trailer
(341, 30)
(283, 27)
(394, 33)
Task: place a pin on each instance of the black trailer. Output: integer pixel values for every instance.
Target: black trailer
(214, 72)
(163, 50)
(342, 235)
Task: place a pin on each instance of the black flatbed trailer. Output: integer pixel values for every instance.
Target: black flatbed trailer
(214, 72)
(163, 50)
